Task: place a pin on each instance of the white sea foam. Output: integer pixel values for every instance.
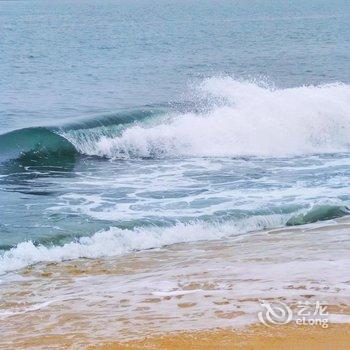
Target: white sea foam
(253, 120)
(115, 241)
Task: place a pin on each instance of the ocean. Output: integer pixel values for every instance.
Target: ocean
(129, 126)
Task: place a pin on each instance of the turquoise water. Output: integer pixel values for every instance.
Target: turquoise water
(146, 123)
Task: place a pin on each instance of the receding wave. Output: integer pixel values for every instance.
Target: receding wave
(319, 213)
(240, 118)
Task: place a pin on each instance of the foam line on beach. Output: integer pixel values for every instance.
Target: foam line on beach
(115, 241)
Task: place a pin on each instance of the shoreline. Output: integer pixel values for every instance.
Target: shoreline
(184, 294)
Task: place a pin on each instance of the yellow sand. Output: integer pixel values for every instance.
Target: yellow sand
(292, 337)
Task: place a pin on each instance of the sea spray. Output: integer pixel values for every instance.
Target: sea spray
(254, 121)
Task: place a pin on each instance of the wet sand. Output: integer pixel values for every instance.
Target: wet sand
(256, 337)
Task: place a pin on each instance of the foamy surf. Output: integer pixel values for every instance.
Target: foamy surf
(116, 241)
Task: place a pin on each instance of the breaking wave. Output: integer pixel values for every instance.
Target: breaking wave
(243, 119)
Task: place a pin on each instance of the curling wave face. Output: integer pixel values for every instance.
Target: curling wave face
(41, 143)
